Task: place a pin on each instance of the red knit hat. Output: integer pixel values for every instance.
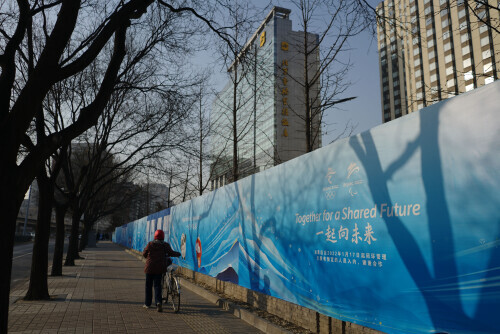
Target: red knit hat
(159, 235)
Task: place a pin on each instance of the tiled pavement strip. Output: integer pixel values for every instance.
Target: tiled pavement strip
(104, 293)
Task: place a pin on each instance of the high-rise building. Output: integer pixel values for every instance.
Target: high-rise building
(267, 80)
(430, 50)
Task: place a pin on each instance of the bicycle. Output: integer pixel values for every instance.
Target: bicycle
(172, 287)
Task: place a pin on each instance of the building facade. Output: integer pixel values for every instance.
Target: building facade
(430, 50)
(269, 109)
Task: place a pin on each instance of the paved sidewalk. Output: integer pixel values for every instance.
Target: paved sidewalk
(104, 293)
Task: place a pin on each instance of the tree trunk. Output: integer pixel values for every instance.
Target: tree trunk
(235, 130)
(57, 260)
(11, 203)
(72, 253)
(85, 238)
(38, 288)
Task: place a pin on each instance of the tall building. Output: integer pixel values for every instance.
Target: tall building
(267, 80)
(430, 50)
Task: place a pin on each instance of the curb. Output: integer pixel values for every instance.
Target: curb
(247, 316)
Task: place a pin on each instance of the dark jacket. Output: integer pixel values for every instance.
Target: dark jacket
(156, 253)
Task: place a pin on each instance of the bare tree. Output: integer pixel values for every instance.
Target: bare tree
(73, 36)
(322, 49)
(230, 123)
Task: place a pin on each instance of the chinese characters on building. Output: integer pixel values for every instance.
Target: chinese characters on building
(284, 90)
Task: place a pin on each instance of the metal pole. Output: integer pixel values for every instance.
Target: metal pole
(27, 211)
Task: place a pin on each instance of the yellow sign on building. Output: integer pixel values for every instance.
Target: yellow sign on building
(262, 38)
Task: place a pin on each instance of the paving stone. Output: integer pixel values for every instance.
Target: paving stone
(104, 293)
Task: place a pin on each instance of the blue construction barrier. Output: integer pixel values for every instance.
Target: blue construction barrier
(396, 228)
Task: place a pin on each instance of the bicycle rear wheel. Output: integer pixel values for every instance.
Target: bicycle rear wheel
(175, 294)
(164, 288)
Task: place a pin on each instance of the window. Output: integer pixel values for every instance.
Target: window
(428, 21)
(382, 54)
(446, 34)
(419, 95)
(485, 41)
(427, 10)
(418, 84)
(444, 23)
(466, 63)
(449, 70)
(444, 11)
(442, 2)
(461, 13)
(415, 40)
(465, 50)
(469, 87)
(432, 66)
(450, 83)
(430, 32)
(463, 25)
(416, 51)
(395, 74)
(431, 54)
(433, 77)
(395, 83)
(464, 38)
(418, 73)
(486, 54)
(396, 92)
(430, 43)
(416, 62)
(447, 46)
(468, 76)
(487, 68)
(488, 80)
(412, 9)
(420, 106)
(483, 28)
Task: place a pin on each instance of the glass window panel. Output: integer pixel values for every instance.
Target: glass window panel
(468, 76)
(485, 41)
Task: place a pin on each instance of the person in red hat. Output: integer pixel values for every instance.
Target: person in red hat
(156, 253)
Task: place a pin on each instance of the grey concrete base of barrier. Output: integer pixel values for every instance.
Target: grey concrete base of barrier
(307, 319)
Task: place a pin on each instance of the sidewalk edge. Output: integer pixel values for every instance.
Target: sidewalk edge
(249, 317)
